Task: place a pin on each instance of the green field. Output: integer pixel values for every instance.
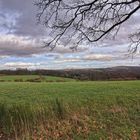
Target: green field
(69, 110)
(32, 78)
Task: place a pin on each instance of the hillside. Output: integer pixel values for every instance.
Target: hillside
(114, 73)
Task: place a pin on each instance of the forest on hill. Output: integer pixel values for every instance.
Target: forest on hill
(114, 73)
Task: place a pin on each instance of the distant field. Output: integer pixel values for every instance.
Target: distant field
(69, 110)
(32, 78)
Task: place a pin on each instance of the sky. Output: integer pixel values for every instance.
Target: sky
(21, 41)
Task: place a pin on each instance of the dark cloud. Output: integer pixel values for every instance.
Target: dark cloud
(11, 45)
(11, 49)
(26, 24)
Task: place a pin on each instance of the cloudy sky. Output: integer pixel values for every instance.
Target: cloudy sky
(21, 43)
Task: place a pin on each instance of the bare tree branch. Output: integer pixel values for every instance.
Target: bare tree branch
(84, 20)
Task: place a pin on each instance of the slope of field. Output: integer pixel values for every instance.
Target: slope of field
(32, 78)
(70, 110)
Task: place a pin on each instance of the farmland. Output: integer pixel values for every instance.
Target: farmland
(63, 108)
(32, 78)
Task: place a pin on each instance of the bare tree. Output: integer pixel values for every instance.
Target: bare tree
(78, 21)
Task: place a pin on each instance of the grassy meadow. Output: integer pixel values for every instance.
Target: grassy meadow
(32, 78)
(54, 108)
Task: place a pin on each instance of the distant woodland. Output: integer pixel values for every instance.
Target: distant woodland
(114, 73)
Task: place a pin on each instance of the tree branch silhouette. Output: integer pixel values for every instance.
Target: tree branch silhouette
(84, 20)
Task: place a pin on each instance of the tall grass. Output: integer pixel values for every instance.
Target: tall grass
(20, 120)
(57, 120)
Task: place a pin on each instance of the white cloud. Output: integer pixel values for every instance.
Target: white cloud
(100, 57)
(67, 60)
(21, 65)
